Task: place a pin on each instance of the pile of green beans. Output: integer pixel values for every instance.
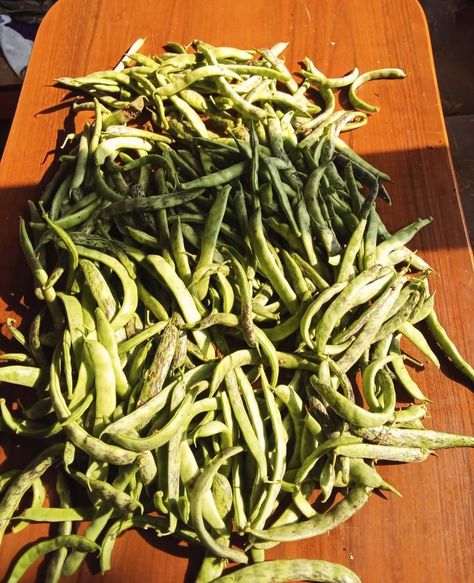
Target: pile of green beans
(213, 274)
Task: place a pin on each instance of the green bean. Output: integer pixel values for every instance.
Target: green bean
(40, 408)
(228, 363)
(97, 525)
(18, 374)
(196, 75)
(254, 413)
(184, 108)
(384, 452)
(288, 327)
(179, 252)
(312, 272)
(422, 309)
(162, 436)
(156, 375)
(77, 434)
(105, 385)
(314, 76)
(399, 239)
(327, 479)
(56, 562)
(363, 474)
(270, 352)
(255, 447)
(209, 237)
(121, 526)
(200, 487)
(241, 105)
(212, 567)
(418, 339)
(402, 373)
(38, 498)
(189, 472)
(285, 570)
(320, 523)
(279, 461)
(6, 477)
(106, 245)
(371, 395)
(325, 447)
(441, 337)
(348, 298)
(23, 481)
(34, 341)
(40, 275)
(281, 193)
(381, 308)
(25, 427)
(323, 230)
(80, 543)
(150, 332)
(174, 461)
(370, 75)
(424, 439)
(391, 325)
(107, 493)
(217, 178)
(348, 410)
(296, 276)
(107, 339)
(59, 197)
(314, 308)
(17, 357)
(211, 428)
(184, 300)
(355, 242)
(130, 295)
(149, 203)
(59, 514)
(341, 146)
(268, 263)
(73, 219)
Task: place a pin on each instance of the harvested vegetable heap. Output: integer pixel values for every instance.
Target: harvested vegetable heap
(213, 274)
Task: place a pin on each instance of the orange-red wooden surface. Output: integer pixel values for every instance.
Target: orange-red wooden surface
(426, 536)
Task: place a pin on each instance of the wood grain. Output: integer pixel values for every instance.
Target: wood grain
(426, 537)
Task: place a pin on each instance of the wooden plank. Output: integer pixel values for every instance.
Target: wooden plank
(427, 535)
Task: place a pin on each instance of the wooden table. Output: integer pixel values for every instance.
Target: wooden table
(425, 537)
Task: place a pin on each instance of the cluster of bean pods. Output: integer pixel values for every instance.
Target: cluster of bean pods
(213, 273)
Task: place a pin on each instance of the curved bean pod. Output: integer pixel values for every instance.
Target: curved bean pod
(72, 541)
(23, 481)
(320, 523)
(130, 294)
(387, 73)
(98, 449)
(286, 570)
(162, 436)
(201, 486)
(447, 345)
(348, 410)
